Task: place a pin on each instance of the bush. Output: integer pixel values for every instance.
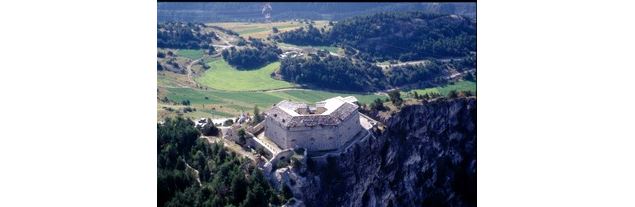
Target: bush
(453, 94)
(395, 97)
(188, 109)
(251, 57)
(377, 105)
(209, 129)
(242, 136)
(228, 122)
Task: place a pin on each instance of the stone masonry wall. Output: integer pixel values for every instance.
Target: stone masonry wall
(313, 138)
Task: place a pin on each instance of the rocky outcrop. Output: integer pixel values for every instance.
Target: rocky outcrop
(425, 157)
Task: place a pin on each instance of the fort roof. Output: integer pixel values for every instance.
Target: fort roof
(328, 112)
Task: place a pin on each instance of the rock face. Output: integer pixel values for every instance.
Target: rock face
(425, 157)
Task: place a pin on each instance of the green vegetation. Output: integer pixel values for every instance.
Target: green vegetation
(377, 105)
(252, 30)
(224, 77)
(445, 90)
(394, 35)
(230, 103)
(333, 72)
(332, 49)
(258, 30)
(179, 35)
(312, 96)
(194, 96)
(191, 54)
(262, 99)
(258, 54)
(224, 179)
(395, 97)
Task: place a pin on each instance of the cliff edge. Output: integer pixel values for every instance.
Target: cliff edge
(425, 157)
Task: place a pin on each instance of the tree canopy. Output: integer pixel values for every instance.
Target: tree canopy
(395, 35)
(254, 55)
(178, 35)
(225, 179)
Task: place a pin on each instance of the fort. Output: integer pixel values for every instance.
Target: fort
(326, 126)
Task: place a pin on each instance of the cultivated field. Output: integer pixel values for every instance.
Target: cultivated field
(209, 103)
(191, 54)
(458, 86)
(222, 76)
(332, 49)
(262, 30)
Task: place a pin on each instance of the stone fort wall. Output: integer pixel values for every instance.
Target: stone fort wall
(313, 138)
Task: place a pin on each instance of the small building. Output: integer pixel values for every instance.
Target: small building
(327, 125)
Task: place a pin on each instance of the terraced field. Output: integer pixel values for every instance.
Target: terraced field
(222, 76)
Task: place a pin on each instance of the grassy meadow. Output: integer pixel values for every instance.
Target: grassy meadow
(444, 90)
(191, 54)
(262, 30)
(222, 76)
(231, 103)
(332, 49)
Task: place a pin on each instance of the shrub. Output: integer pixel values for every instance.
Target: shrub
(377, 105)
(453, 94)
(242, 136)
(228, 122)
(209, 129)
(395, 97)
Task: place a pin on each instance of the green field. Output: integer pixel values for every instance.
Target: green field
(327, 48)
(232, 102)
(458, 86)
(191, 54)
(222, 76)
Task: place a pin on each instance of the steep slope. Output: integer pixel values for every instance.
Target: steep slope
(426, 157)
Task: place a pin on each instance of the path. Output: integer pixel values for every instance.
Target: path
(232, 147)
(222, 47)
(461, 73)
(189, 70)
(198, 179)
(384, 66)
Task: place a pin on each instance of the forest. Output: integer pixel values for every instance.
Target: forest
(339, 73)
(226, 180)
(254, 55)
(415, 74)
(404, 36)
(302, 36)
(333, 73)
(177, 35)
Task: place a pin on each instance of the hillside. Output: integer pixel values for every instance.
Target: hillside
(403, 36)
(223, 12)
(177, 35)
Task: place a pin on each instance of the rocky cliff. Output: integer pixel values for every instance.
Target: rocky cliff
(425, 157)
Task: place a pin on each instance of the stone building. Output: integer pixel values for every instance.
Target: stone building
(325, 126)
